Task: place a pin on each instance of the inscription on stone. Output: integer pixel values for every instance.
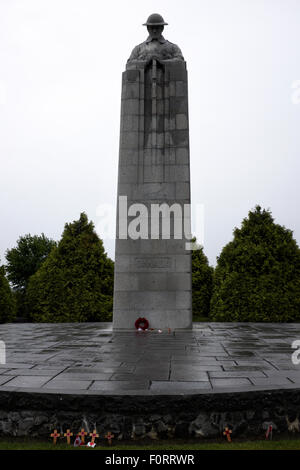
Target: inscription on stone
(153, 263)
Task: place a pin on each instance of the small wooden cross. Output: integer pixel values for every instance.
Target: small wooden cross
(269, 433)
(109, 436)
(93, 436)
(227, 433)
(55, 435)
(68, 435)
(82, 435)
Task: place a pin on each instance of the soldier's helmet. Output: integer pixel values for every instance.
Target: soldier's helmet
(155, 20)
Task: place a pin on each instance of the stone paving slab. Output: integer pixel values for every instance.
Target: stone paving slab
(91, 358)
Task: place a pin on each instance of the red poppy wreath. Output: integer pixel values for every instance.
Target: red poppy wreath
(142, 323)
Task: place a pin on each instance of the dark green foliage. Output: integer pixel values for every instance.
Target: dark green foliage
(7, 302)
(24, 260)
(202, 280)
(21, 307)
(75, 283)
(257, 277)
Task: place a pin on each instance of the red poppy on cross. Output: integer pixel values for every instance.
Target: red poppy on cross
(68, 435)
(109, 436)
(55, 435)
(227, 433)
(93, 436)
(82, 434)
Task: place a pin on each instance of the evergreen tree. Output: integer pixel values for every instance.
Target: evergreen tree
(75, 283)
(257, 277)
(7, 302)
(202, 281)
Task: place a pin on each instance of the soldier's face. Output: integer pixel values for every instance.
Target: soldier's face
(155, 31)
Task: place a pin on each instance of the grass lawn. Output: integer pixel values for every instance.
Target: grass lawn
(286, 444)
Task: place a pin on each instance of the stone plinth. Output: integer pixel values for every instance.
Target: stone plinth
(153, 276)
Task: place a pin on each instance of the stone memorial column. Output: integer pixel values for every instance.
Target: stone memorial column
(153, 257)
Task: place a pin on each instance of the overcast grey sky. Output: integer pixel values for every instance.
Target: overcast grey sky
(60, 87)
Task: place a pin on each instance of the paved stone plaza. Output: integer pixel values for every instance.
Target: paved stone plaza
(90, 358)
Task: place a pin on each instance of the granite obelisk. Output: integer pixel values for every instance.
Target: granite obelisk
(153, 257)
